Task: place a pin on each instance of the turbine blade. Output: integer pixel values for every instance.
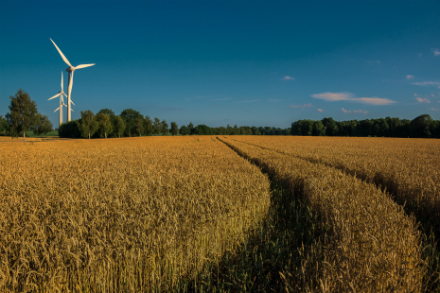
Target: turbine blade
(56, 109)
(61, 81)
(72, 102)
(54, 96)
(61, 53)
(84, 66)
(70, 84)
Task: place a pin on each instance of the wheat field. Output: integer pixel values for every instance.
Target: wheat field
(226, 214)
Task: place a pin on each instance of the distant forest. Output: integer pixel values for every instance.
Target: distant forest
(23, 116)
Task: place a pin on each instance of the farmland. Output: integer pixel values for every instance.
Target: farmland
(235, 213)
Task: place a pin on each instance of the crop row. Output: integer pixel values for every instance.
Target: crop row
(365, 242)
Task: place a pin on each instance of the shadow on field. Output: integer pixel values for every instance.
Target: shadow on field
(276, 247)
(426, 213)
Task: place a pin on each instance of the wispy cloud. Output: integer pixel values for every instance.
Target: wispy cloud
(421, 54)
(288, 78)
(275, 100)
(246, 101)
(409, 76)
(300, 106)
(433, 109)
(428, 83)
(424, 100)
(222, 99)
(332, 97)
(374, 101)
(436, 51)
(354, 111)
(320, 110)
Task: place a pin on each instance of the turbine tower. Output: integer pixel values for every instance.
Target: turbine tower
(70, 70)
(60, 94)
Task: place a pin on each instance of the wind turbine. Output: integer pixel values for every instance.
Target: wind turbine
(60, 94)
(70, 70)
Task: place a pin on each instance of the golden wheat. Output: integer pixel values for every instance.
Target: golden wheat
(367, 243)
(137, 215)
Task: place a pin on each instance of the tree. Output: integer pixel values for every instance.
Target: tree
(140, 126)
(157, 126)
(87, 124)
(69, 129)
(148, 126)
(4, 126)
(119, 125)
(23, 113)
(318, 128)
(331, 127)
(105, 124)
(235, 130)
(129, 116)
(202, 129)
(42, 124)
(165, 129)
(184, 130)
(174, 128)
(191, 128)
(421, 126)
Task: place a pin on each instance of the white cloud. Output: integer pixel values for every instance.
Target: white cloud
(374, 101)
(409, 76)
(300, 106)
(428, 83)
(320, 110)
(433, 109)
(275, 100)
(349, 97)
(288, 78)
(333, 96)
(436, 51)
(246, 101)
(354, 111)
(425, 100)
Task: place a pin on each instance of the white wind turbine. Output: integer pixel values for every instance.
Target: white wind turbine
(60, 94)
(70, 70)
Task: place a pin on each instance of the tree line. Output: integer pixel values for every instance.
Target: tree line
(23, 116)
(422, 126)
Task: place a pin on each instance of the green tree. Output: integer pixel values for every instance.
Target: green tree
(70, 129)
(140, 126)
(421, 126)
(184, 130)
(4, 126)
(191, 128)
(130, 116)
(148, 126)
(202, 129)
(42, 125)
(105, 124)
(165, 128)
(174, 128)
(318, 128)
(235, 130)
(87, 124)
(119, 125)
(157, 126)
(23, 113)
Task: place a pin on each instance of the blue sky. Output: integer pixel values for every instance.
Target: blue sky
(257, 63)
